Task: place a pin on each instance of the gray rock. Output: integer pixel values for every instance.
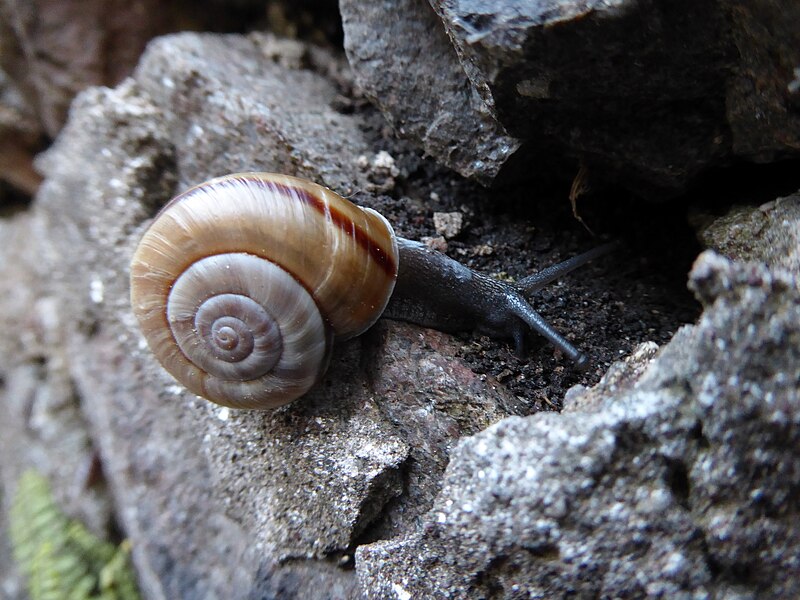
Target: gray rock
(11, 584)
(42, 425)
(251, 117)
(621, 376)
(432, 400)
(769, 233)
(406, 65)
(217, 503)
(648, 93)
(680, 484)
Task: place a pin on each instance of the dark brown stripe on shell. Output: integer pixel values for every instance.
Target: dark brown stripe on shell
(362, 238)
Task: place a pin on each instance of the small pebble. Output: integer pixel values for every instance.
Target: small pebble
(448, 224)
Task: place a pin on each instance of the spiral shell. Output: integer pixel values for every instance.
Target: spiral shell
(241, 284)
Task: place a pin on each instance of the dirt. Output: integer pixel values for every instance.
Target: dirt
(636, 294)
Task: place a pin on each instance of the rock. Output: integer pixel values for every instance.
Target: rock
(437, 243)
(42, 421)
(216, 502)
(407, 67)
(620, 377)
(769, 233)
(42, 425)
(11, 583)
(432, 400)
(646, 94)
(381, 171)
(682, 484)
(264, 131)
(448, 224)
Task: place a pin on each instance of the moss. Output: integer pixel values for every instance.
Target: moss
(59, 557)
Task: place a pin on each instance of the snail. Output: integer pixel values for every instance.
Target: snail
(241, 285)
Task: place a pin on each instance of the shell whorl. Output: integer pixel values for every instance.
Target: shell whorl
(240, 285)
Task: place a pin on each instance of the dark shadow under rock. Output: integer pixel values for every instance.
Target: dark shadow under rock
(644, 94)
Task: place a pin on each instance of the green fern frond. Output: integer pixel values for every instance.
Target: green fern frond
(61, 559)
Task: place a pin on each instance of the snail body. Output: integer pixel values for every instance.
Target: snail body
(241, 285)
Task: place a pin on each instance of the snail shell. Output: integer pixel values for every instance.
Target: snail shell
(241, 283)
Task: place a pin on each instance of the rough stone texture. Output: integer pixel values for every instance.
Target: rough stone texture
(620, 377)
(217, 503)
(42, 425)
(270, 127)
(407, 66)
(647, 93)
(769, 233)
(683, 484)
(432, 400)
(11, 586)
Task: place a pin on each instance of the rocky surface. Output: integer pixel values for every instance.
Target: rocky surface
(651, 489)
(769, 233)
(412, 73)
(410, 471)
(646, 94)
(42, 425)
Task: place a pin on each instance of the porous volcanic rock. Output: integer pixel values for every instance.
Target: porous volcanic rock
(678, 477)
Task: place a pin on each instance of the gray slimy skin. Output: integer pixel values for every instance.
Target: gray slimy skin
(436, 291)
